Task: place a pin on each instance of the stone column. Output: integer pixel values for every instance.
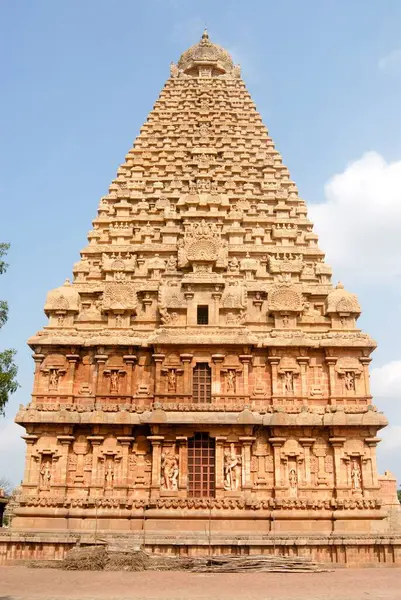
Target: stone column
(125, 442)
(130, 360)
(72, 360)
(186, 359)
(365, 360)
(277, 443)
(303, 362)
(338, 444)
(274, 361)
(182, 442)
(156, 441)
(95, 440)
(65, 441)
(306, 443)
(245, 359)
(372, 443)
(30, 439)
(216, 379)
(331, 362)
(38, 358)
(215, 316)
(100, 360)
(247, 442)
(220, 441)
(158, 358)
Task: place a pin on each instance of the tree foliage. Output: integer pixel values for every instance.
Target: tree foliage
(6, 485)
(8, 368)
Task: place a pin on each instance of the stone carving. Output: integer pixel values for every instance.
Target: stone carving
(171, 380)
(341, 301)
(109, 476)
(45, 474)
(119, 296)
(232, 469)
(356, 475)
(230, 381)
(293, 482)
(169, 470)
(285, 298)
(202, 242)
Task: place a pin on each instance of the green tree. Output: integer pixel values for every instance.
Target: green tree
(399, 495)
(8, 368)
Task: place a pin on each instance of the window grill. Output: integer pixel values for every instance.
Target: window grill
(201, 466)
(202, 383)
(203, 315)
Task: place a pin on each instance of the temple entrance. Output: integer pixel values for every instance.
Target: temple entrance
(201, 466)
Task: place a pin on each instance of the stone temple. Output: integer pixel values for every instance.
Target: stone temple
(201, 384)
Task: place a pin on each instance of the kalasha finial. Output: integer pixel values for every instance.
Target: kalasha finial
(205, 36)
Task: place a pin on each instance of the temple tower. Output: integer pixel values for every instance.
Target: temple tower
(201, 367)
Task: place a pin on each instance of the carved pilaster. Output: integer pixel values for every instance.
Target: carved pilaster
(306, 443)
(186, 359)
(274, 361)
(303, 362)
(365, 361)
(100, 363)
(156, 441)
(158, 358)
(277, 443)
(247, 442)
(216, 379)
(72, 361)
(338, 445)
(372, 442)
(331, 363)
(95, 482)
(246, 360)
(62, 465)
(220, 441)
(130, 360)
(29, 467)
(182, 442)
(125, 442)
(38, 358)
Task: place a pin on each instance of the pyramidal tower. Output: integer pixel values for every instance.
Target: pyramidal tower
(200, 382)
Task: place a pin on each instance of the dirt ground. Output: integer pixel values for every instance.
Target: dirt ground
(21, 583)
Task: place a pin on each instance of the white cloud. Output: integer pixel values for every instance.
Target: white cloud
(391, 63)
(386, 380)
(359, 223)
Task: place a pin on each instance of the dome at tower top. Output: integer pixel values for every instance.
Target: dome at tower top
(205, 51)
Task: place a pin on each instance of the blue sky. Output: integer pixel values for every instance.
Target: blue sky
(78, 80)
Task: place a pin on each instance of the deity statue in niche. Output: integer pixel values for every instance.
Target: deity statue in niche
(293, 481)
(171, 265)
(288, 382)
(109, 476)
(169, 471)
(356, 475)
(230, 381)
(349, 381)
(45, 475)
(114, 381)
(171, 380)
(53, 379)
(232, 467)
